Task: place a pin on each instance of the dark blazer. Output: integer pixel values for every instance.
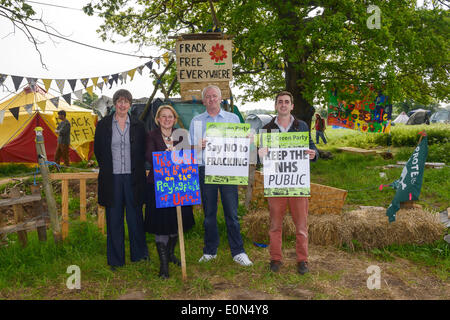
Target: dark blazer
(155, 142)
(297, 126)
(103, 153)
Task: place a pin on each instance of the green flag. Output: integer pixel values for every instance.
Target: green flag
(410, 182)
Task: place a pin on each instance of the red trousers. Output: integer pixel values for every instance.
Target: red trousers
(299, 211)
(62, 150)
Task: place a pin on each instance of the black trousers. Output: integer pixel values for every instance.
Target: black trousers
(115, 239)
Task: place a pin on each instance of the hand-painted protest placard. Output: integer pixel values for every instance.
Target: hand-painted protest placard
(176, 178)
(362, 109)
(204, 60)
(286, 164)
(227, 153)
(82, 127)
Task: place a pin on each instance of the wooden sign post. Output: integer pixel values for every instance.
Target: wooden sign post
(202, 61)
(51, 203)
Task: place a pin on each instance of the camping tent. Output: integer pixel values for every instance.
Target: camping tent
(34, 107)
(402, 118)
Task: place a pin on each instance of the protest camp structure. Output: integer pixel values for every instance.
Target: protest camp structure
(35, 107)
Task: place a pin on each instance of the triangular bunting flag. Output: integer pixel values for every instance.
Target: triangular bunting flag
(73, 83)
(28, 108)
(114, 78)
(32, 82)
(149, 65)
(121, 78)
(15, 112)
(100, 86)
(131, 73)
(84, 82)
(166, 57)
(2, 115)
(17, 81)
(67, 97)
(42, 104)
(105, 79)
(60, 83)
(94, 80)
(124, 76)
(55, 101)
(90, 91)
(139, 69)
(158, 60)
(79, 94)
(2, 78)
(47, 83)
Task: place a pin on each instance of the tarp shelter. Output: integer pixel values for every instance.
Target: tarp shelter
(186, 111)
(401, 118)
(31, 108)
(257, 121)
(419, 117)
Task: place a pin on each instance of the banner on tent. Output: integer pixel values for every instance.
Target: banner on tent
(82, 127)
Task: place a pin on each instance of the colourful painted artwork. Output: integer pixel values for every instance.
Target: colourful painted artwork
(360, 109)
(176, 178)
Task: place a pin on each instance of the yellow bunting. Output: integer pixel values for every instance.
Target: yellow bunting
(166, 57)
(47, 83)
(94, 80)
(131, 73)
(90, 91)
(42, 104)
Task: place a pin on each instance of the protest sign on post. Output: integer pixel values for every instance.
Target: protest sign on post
(176, 184)
(227, 153)
(286, 164)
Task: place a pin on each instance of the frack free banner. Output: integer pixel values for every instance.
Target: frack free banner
(227, 153)
(204, 60)
(286, 164)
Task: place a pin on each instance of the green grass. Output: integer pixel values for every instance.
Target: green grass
(38, 271)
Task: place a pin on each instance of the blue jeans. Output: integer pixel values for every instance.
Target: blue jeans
(229, 197)
(115, 238)
(321, 135)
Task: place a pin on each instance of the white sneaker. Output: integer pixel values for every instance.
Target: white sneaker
(207, 257)
(242, 259)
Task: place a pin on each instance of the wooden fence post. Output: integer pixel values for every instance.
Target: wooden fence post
(18, 217)
(51, 203)
(38, 211)
(65, 208)
(82, 199)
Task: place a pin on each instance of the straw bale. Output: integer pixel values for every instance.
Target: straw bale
(365, 228)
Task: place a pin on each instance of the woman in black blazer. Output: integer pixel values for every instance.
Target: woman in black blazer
(121, 180)
(163, 221)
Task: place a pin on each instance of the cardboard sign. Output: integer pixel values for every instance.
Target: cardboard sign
(176, 178)
(286, 165)
(204, 60)
(227, 153)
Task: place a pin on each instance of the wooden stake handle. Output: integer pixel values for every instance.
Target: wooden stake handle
(181, 239)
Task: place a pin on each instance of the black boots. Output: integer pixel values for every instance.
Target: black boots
(171, 249)
(163, 260)
(166, 255)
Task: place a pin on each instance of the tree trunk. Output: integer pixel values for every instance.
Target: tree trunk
(303, 110)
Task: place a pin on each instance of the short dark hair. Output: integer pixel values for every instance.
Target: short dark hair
(62, 113)
(122, 93)
(284, 93)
